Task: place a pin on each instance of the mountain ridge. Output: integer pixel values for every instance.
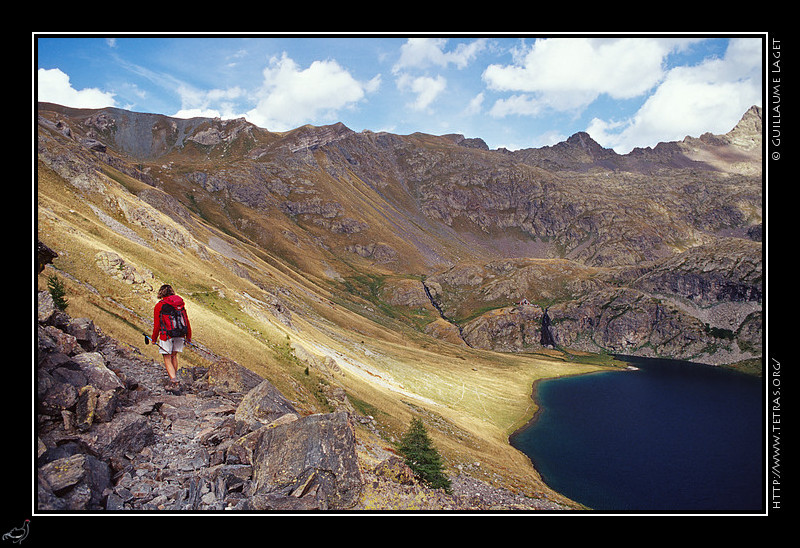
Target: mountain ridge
(746, 134)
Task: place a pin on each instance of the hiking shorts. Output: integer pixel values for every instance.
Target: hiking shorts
(175, 344)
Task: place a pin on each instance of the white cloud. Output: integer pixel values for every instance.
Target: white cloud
(53, 86)
(570, 73)
(605, 132)
(426, 88)
(187, 113)
(709, 97)
(474, 106)
(291, 96)
(551, 138)
(420, 53)
(516, 104)
(214, 103)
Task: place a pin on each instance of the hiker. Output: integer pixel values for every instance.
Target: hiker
(170, 329)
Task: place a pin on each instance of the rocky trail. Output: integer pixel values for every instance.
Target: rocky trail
(111, 436)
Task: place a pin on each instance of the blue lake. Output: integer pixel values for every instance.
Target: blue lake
(672, 436)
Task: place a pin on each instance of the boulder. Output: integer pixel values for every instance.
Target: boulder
(44, 256)
(227, 375)
(81, 478)
(395, 469)
(262, 405)
(94, 367)
(57, 396)
(128, 433)
(84, 332)
(52, 339)
(310, 463)
(45, 307)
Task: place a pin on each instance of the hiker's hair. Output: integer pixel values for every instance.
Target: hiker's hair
(165, 291)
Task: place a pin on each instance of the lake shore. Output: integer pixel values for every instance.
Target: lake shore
(629, 425)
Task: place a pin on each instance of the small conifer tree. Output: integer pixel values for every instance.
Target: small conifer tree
(57, 292)
(421, 456)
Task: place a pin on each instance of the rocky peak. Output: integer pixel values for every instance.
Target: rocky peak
(579, 152)
(310, 137)
(747, 134)
(584, 140)
(460, 140)
(220, 131)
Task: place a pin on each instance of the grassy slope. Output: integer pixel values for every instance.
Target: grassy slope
(472, 400)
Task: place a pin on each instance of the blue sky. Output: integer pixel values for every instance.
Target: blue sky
(512, 91)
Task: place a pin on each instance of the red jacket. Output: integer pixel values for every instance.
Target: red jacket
(176, 301)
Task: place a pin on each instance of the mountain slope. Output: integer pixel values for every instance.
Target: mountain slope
(393, 266)
(338, 205)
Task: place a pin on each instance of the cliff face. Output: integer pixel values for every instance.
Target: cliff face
(703, 304)
(655, 252)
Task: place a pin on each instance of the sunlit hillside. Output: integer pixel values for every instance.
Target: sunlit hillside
(280, 294)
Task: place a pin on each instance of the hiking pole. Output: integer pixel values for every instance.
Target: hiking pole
(147, 340)
(198, 348)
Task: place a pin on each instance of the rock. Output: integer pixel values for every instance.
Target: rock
(127, 433)
(241, 450)
(379, 252)
(85, 407)
(53, 339)
(445, 331)
(410, 293)
(93, 144)
(65, 472)
(699, 305)
(46, 499)
(262, 405)
(68, 375)
(508, 329)
(106, 406)
(312, 458)
(93, 366)
(84, 332)
(209, 137)
(115, 266)
(44, 256)
(395, 469)
(58, 397)
(82, 479)
(225, 374)
(45, 307)
(730, 271)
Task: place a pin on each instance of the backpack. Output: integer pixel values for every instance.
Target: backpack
(173, 320)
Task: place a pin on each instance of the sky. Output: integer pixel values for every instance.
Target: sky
(512, 91)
